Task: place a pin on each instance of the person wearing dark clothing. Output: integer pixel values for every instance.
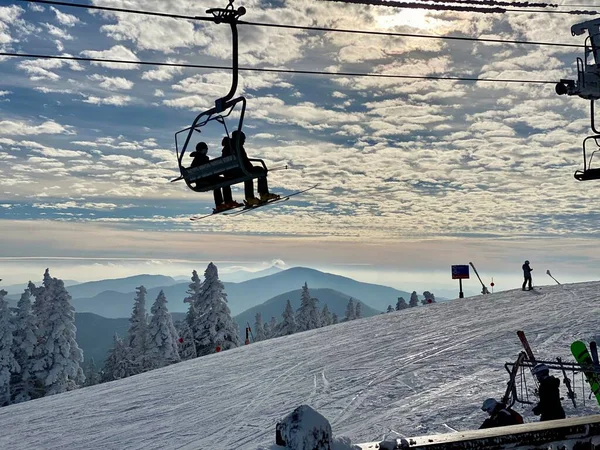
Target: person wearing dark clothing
(200, 157)
(239, 138)
(549, 406)
(500, 416)
(527, 275)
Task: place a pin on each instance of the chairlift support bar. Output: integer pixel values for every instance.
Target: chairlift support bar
(207, 177)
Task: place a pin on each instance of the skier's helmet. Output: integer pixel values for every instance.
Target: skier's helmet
(489, 405)
(238, 135)
(540, 370)
(201, 149)
(526, 261)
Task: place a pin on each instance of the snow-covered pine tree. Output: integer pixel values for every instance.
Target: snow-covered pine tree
(401, 304)
(334, 318)
(57, 357)
(350, 311)
(414, 299)
(267, 330)
(428, 298)
(137, 336)
(288, 325)
(390, 309)
(40, 293)
(186, 344)
(273, 325)
(162, 335)
(8, 363)
(307, 316)
(24, 342)
(91, 373)
(358, 310)
(194, 300)
(259, 329)
(216, 327)
(325, 316)
(117, 364)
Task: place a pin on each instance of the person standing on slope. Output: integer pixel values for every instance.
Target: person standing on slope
(549, 406)
(527, 275)
(500, 416)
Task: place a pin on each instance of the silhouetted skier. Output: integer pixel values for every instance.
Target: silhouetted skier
(527, 275)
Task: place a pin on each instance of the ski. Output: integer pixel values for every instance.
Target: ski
(594, 352)
(583, 357)
(567, 382)
(484, 289)
(270, 202)
(526, 346)
(511, 385)
(214, 213)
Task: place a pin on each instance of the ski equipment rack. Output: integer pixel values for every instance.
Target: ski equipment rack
(225, 170)
(586, 86)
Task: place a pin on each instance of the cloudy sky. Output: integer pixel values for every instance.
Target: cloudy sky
(414, 175)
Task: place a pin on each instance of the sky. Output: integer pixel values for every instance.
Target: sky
(412, 372)
(414, 175)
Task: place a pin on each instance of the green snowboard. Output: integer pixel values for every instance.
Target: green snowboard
(583, 357)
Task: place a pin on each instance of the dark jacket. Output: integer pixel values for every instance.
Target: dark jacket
(501, 417)
(227, 150)
(549, 406)
(199, 160)
(527, 270)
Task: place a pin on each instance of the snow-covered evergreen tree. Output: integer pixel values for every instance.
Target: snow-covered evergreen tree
(91, 373)
(267, 330)
(186, 342)
(325, 316)
(390, 309)
(24, 342)
(215, 325)
(194, 300)
(272, 327)
(41, 294)
(350, 310)
(401, 304)
(137, 336)
(259, 329)
(414, 299)
(334, 318)
(8, 363)
(307, 316)
(117, 364)
(162, 335)
(288, 325)
(57, 357)
(358, 310)
(428, 298)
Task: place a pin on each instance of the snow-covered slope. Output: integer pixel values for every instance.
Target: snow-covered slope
(409, 372)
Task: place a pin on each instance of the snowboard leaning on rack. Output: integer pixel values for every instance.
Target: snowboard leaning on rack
(584, 358)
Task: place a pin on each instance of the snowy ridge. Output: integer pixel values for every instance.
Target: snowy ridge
(411, 372)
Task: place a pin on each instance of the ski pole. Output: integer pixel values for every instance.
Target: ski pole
(279, 168)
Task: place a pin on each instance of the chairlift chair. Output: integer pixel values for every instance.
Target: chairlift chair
(225, 170)
(589, 173)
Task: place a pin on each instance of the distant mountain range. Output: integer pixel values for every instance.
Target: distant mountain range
(336, 303)
(114, 298)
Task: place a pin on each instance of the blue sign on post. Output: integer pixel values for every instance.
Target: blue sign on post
(460, 272)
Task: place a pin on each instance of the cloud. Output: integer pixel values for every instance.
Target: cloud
(65, 19)
(113, 100)
(117, 52)
(57, 32)
(21, 128)
(112, 83)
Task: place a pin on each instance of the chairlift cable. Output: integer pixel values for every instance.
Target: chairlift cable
(271, 70)
(306, 28)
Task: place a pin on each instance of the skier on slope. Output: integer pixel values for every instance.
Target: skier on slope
(549, 406)
(500, 416)
(527, 275)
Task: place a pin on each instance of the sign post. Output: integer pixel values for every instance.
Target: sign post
(459, 273)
